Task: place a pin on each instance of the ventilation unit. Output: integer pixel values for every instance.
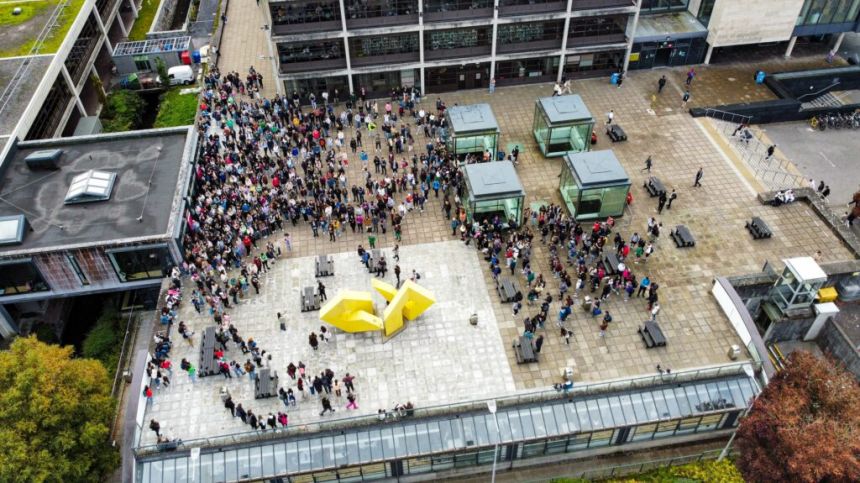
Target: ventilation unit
(90, 186)
(12, 229)
(48, 159)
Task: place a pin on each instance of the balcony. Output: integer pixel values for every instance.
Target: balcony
(312, 65)
(385, 60)
(509, 8)
(460, 53)
(455, 15)
(552, 44)
(601, 4)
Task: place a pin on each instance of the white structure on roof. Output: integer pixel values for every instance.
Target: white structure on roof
(89, 186)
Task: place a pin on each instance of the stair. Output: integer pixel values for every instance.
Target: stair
(826, 100)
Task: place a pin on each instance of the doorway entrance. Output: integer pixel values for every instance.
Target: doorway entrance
(662, 57)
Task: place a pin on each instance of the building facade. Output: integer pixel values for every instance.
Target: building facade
(444, 45)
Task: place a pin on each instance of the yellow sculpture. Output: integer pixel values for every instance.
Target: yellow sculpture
(352, 311)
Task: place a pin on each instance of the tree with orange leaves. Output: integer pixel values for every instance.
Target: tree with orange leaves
(804, 427)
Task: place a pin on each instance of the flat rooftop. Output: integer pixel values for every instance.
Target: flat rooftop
(42, 22)
(147, 165)
(19, 93)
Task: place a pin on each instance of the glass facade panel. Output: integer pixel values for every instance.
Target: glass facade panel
(364, 447)
(644, 432)
(601, 438)
(555, 446)
(527, 417)
(379, 8)
(706, 8)
(597, 29)
(593, 64)
(687, 425)
(627, 409)
(534, 449)
(231, 466)
(255, 462)
(445, 435)
(515, 425)
(582, 414)
(486, 434)
(504, 427)
(268, 455)
(412, 440)
(561, 421)
(310, 51)
(374, 471)
(526, 70)
(242, 463)
(666, 428)
(206, 473)
(458, 38)
(710, 423)
(433, 6)
(609, 407)
(433, 432)
(442, 462)
(300, 12)
(17, 277)
(360, 47)
(549, 426)
(579, 441)
(141, 263)
(513, 33)
(218, 467)
(660, 6)
(304, 450)
(418, 465)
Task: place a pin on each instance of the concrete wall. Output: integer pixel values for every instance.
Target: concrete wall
(164, 16)
(739, 22)
(788, 329)
(832, 341)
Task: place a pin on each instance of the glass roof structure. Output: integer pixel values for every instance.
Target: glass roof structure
(411, 438)
(12, 229)
(141, 47)
(89, 186)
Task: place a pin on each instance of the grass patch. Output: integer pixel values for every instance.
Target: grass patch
(31, 9)
(176, 109)
(145, 17)
(104, 341)
(700, 472)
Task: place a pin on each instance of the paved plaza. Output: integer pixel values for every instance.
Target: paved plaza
(441, 358)
(437, 359)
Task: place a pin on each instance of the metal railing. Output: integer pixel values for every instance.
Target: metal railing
(816, 93)
(727, 116)
(776, 173)
(522, 398)
(639, 468)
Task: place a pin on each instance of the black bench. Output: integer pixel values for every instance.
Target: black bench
(208, 364)
(310, 299)
(266, 384)
(758, 228)
(610, 263)
(682, 237)
(325, 266)
(652, 335)
(616, 133)
(524, 350)
(654, 186)
(508, 290)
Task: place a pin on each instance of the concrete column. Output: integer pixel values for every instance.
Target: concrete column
(74, 90)
(823, 313)
(121, 23)
(708, 54)
(103, 29)
(346, 46)
(790, 46)
(421, 45)
(495, 37)
(632, 36)
(838, 43)
(134, 9)
(8, 327)
(564, 42)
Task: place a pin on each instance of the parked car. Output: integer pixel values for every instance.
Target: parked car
(180, 74)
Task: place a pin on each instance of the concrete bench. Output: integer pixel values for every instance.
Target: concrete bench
(758, 228)
(208, 365)
(310, 299)
(508, 290)
(610, 263)
(524, 350)
(266, 384)
(652, 335)
(682, 237)
(654, 186)
(325, 266)
(616, 133)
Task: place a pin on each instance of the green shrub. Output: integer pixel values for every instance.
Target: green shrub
(104, 341)
(175, 109)
(46, 333)
(123, 111)
(700, 472)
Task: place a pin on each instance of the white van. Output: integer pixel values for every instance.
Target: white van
(180, 74)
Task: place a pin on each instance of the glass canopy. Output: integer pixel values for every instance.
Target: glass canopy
(472, 130)
(593, 185)
(494, 189)
(562, 124)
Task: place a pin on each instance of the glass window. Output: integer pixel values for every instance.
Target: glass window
(486, 456)
(527, 68)
(434, 6)
(435, 437)
(486, 434)
(610, 411)
(21, 276)
(457, 39)
(52, 110)
(579, 441)
(446, 435)
(660, 6)
(305, 460)
(597, 27)
(558, 445)
(418, 465)
(205, 468)
(442, 462)
(561, 421)
(582, 414)
(465, 460)
(643, 432)
(349, 475)
(516, 426)
(218, 467)
(310, 51)
(255, 462)
(534, 449)
(268, 460)
(412, 444)
(666, 428)
(300, 12)
(379, 8)
(709, 423)
(601, 438)
(504, 427)
(364, 447)
(141, 263)
(510, 3)
(594, 414)
(687, 425)
(706, 8)
(383, 45)
(374, 471)
(529, 32)
(230, 465)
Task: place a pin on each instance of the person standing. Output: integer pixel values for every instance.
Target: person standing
(229, 404)
(313, 341)
(770, 150)
(661, 84)
(603, 326)
(610, 116)
(661, 202)
(153, 425)
(492, 85)
(538, 344)
(397, 274)
(347, 382)
(672, 197)
(699, 174)
(351, 404)
(321, 290)
(685, 99)
(690, 75)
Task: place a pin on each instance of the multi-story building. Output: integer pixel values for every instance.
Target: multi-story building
(444, 45)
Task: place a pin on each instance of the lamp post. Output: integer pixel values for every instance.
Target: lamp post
(491, 406)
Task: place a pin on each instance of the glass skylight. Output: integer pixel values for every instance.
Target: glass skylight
(90, 186)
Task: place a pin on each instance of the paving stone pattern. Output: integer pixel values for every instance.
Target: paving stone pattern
(698, 333)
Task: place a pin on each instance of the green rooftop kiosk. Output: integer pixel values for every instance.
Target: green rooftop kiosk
(494, 189)
(473, 130)
(562, 124)
(593, 185)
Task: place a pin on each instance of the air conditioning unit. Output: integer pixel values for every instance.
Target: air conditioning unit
(48, 159)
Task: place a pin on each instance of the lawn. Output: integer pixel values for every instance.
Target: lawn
(145, 16)
(176, 109)
(36, 14)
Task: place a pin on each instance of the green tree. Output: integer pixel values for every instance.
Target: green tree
(161, 68)
(804, 427)
(55, 414)
(123, 111)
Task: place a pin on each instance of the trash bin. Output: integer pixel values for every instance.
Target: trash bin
(734, 352)
(613, 79)
(759, 77)
(500, 156)
(195, 56)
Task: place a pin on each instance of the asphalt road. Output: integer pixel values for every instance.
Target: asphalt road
(830, 155)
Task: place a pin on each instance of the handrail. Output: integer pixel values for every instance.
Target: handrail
(710, 111)
(819, 92)
(468, 406)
